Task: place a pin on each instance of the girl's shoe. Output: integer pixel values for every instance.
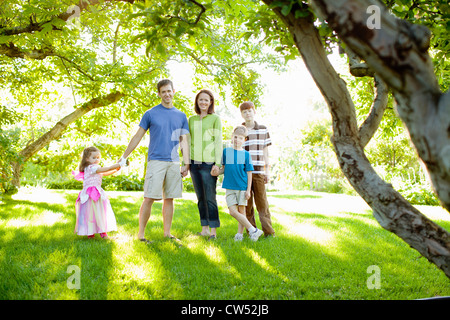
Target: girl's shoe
(212, 238)
(104, 235)
(238, 237)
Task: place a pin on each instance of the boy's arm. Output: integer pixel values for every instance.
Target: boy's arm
(266, 164)
(249, 185)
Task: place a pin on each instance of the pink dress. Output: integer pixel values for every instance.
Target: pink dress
(94, 212)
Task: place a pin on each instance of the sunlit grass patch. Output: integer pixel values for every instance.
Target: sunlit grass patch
(316, 254)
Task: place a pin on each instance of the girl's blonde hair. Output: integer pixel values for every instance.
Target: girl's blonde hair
(84, 156)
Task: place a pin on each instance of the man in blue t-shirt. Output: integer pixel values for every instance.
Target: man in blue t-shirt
(168, 128)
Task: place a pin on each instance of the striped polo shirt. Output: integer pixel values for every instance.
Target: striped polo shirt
(258, 138)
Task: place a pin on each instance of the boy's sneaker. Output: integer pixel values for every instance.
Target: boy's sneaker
(238, 237)
(255, 235)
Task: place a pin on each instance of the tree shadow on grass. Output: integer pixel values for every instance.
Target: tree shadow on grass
(358, 242)
(197, 270)
(37, 248)
(314, 256)
(224, 269)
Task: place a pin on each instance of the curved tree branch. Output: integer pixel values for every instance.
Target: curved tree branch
(77, 67)
(356, 67)
(59, 128)
(14, 52)
(372, 122)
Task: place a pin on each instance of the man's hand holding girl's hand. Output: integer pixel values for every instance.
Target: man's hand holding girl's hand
(123, 162)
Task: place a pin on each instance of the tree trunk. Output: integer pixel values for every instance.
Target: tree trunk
(390, 209)
(397, 51)
(58, 129)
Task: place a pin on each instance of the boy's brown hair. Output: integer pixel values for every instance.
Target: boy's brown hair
(247, 105)
(240, 131)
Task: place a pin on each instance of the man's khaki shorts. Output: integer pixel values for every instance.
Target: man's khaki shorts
(235, 198)
(163, 180)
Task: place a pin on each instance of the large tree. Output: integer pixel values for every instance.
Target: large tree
(396, 51)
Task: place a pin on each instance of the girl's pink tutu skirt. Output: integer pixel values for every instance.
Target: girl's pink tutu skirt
(94, 215)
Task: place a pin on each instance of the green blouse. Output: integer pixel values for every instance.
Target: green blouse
(206, 138)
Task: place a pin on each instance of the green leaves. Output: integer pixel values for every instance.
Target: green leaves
(8, 116)
(299, 8)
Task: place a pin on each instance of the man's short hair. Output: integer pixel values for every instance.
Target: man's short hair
(164, 82)
(247, 105)
(240, 131)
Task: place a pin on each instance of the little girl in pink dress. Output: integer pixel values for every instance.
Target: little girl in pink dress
(94, 212)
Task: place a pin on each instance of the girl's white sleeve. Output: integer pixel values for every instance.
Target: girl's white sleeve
(92, 169)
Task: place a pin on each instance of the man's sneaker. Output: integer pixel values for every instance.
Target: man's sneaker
(255, 235)
(238, 237)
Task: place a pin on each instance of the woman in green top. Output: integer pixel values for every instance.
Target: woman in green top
(206, 152)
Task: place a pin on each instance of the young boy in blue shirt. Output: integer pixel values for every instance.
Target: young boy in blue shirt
(237, 169)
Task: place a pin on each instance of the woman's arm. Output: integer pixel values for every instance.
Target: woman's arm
(218, 146)
(184, 145)
(217, 172)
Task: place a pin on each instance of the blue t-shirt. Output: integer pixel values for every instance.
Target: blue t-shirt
(237, 163)
(165, 127)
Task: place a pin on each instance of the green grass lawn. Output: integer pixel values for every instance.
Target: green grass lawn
(324, 246)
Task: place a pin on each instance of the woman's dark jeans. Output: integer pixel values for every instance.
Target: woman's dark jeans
(205, 189)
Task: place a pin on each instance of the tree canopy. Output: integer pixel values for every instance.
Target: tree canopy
(102, 59)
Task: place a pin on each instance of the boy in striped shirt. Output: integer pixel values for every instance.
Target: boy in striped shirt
(257, 145)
